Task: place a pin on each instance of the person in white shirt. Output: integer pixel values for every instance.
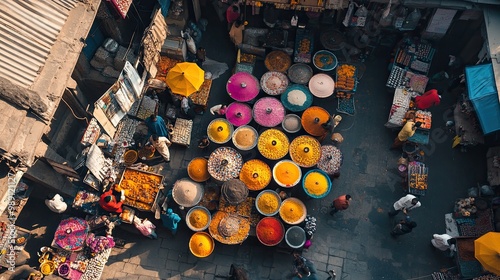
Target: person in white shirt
(405, 204)
(161, 144)
(56, 203)
(443, 242)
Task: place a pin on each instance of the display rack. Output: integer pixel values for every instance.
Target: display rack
(400, 105)
(417, 178)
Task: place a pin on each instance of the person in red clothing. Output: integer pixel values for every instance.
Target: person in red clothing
(428, 99)
(341, 203)
(109, 202)
(232, 14)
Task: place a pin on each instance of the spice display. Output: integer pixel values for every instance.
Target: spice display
(140, 188)
(224, 164)
(305, 150)
(273, 144)
(256, 174)
(292, 211)
(201, 244)
(316, 183)
(198, 169)
(346, 77)
(268, 112)
(187, 193)
(346, 70)
(425, 118)
(331, 159)
(270, 231)
(312, 118)
(199, 218)
(274, 83)
(238, 237)
(278, 61)
(219, 131)
(243, 209)
(245, 137)
(286, 173)
(325, 60)
(234, 191)
(297, 98)
(268, 203)
(291, 123)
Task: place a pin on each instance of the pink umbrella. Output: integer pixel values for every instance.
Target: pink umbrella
(239, 113)
(321, 85)
(243, 87)
(71, 234)
(268, 112)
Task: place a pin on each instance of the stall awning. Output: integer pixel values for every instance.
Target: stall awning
(484, 96)
(492, 23)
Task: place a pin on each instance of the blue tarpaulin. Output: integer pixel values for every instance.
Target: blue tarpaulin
(484, 96)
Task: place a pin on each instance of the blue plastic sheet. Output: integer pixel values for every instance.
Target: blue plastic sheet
(484, 96)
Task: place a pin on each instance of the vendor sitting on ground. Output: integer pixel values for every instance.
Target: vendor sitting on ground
(406, 132)
(428, 99)
(56, 203)
(109, 202)
(156, 125)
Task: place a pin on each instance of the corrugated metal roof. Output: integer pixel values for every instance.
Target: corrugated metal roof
(492, 22)
(28, 30)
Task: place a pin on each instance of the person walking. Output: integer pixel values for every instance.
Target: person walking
(405, 204)
(236, 33)
(444, 242)
(170, 220)
(303, 268)
(340, 203)
(156, 125)
(161, 144)
(428, 99)
(406, 132)
(403, 227)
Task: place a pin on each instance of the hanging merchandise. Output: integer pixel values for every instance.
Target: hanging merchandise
(347, 18)
(359, 18)
(411, 20)
(401, 14)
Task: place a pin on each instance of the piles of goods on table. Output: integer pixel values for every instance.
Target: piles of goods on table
(140, 188)
(397, 77)
(425, 117)
(268, 203)
(229, 228)
(245, 62)
(146, 108)
(256, 174)
(270, 231)
(346, 80)
(400, 105)
(86, 201)
(224, 164)
(304, 43)
(182, 132)
(201, 244)
(417, 82)
(124, 132)
(293, 211)
(417, 178)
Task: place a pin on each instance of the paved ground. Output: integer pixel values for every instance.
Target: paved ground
(356, 242)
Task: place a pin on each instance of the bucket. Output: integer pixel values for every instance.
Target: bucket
(295, 237)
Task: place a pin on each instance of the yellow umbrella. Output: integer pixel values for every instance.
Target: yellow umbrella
(487, 251)
(185, 78)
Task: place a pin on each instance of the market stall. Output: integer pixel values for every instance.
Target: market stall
(140, 188)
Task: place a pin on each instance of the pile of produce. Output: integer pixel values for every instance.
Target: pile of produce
(98, 244)
(235, 229)
(245, 137)
(140, 188)
(346, 77)
(256, 174)
(425, 118)
(466, 206)
(198, 169)
(305, 150)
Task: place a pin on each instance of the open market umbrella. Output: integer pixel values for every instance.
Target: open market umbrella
(185, 78)
(331, 159)
(225, 164)
(487, 251)
(187, 193)
(313, 118)
(297, 98)
(243, 86)
(71, 234)
(321, 85)
(268, 112)
(239, 113)
(274, 83)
